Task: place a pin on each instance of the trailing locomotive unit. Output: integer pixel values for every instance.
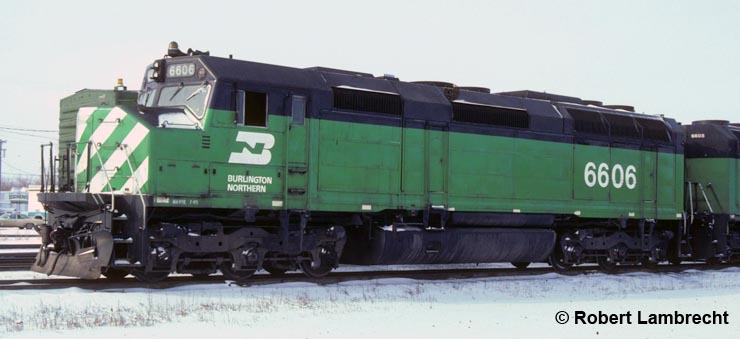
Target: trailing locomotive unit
(712, 190)
(235, 165)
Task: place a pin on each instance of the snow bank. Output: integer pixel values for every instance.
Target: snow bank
(387, 308)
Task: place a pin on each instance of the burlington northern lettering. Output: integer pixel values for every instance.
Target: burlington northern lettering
(247, 183)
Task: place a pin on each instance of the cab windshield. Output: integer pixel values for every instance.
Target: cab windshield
(190, 97)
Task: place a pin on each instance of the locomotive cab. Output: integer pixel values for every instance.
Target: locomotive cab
(189, 179)
(176, 92)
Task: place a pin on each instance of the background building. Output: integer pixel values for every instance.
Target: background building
(14, 200)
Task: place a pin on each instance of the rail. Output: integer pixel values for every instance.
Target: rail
(339, 277)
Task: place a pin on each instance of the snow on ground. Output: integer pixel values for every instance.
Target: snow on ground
(506, 307)
(19, 236)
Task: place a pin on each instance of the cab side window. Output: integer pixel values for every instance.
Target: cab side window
(251, 109)
(298, 109)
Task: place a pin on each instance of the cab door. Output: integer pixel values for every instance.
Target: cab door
(737, 185)
(436, 164)
(298, 146)
(649, 185)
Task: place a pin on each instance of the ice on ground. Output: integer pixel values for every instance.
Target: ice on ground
(523, 306)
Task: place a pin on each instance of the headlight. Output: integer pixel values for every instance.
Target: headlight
(158, 74)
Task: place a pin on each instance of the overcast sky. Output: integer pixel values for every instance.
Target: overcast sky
(678, 58)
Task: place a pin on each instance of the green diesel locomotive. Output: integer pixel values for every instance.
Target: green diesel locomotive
(226, 165)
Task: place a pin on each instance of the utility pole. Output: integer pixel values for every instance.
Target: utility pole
(2, 154)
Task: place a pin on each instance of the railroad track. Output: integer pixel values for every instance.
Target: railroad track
(21, 261)
(17, 261)
(333, 278)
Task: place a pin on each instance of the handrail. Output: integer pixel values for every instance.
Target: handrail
(51, 187)
(75, 147)
(107, 179)
(704, 194)
(691, 201)
(74, 171)
(137, 188)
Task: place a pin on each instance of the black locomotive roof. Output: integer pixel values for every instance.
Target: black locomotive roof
(324, 78)
(430, 101)
(712, 139)
(266, 74)
(543, 96)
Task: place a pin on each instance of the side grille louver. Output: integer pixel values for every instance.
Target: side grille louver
(490, 115)
(367, 101)
(206, 142)
(654, 129)
(588, 122)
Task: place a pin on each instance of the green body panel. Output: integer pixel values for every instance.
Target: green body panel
(69, 106)
(192, 167)
(327, 165)
(357, 165)
(119, 154)
(719, 178)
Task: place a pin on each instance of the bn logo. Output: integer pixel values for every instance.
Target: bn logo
(257, 150)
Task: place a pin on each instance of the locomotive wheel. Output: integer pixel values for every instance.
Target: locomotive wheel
(149, 277)
(315, 272)
(115, 274)
(557, 262)
(237, 275)
(310, 269)
(328, 262)
(606, 265)
(520, 265)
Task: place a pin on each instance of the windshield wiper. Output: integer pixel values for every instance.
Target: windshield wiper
(182, 85)
(200, 89)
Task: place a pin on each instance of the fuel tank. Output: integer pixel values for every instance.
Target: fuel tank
(414, 245)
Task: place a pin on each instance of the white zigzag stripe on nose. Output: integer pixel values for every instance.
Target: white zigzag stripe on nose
(141, 175)
(117, 160)
(82, 115)
(106, 128)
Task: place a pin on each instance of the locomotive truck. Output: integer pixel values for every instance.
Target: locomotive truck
(218, 164)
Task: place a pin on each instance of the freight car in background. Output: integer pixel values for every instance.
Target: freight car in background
(238, 166)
